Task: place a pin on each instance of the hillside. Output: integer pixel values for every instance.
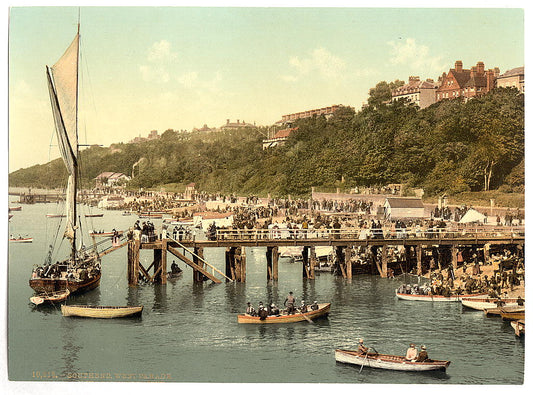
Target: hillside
(450, 147)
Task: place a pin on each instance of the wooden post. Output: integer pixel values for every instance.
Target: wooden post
(164, 262)
(339, 261)
(348, 261)
(243, 265)
(313, 262)
(275, 258)
(305, 262)
(198, 276)
(157, 266)
(384, 261)
(133, 262)
(269, 254)
(228, 262)
(419, 260)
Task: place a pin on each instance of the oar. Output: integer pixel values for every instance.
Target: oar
(366, 356)
(307, 318)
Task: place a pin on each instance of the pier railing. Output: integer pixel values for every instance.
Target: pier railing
(371, 234)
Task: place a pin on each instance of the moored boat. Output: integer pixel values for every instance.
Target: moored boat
(105, 234)
(488, 303)
(93, 215)
(88, 311)
(56, 215)
(519, 327)
(438, 298)
(21, 239)
(389, 362)
(323, 310)
(52, 297)
(151, 214)
(507, 313)
(18, 208)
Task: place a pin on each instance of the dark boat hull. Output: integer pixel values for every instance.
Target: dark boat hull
(57, 284)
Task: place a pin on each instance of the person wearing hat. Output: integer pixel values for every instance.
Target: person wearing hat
(412, 353)
(314, 306)
(250, 309)
(303, 307)
(423, 355)
(362, 348)
(262, 312)
(274, 310)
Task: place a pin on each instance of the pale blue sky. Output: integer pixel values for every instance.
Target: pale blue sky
(179, 68)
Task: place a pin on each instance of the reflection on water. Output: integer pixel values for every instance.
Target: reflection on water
(190, 331)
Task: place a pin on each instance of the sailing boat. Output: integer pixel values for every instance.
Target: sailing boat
(81, 271)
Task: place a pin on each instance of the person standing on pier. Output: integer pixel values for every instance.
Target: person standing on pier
(290, 301)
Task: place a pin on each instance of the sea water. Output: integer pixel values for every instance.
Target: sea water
(189, 331)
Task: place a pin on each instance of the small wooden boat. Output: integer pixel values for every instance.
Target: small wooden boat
(514, 315)
(174, 276)
(105, 234)
(50, 297)
(21, 240)
(507, 313)
(56, 215)
(323, 310)
(93, 215)
(18, 208)
(519, 327)
(151, 214)
(488, 303)
(88, 311)
(389, 362)
(438, 298)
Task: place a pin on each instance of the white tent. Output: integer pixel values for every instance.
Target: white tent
(472, 216)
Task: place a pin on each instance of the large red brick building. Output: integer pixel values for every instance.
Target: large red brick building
(466, 83)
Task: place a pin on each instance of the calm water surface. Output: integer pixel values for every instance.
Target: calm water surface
(189, 332)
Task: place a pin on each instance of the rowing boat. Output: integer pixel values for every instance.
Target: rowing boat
(519, 327)
(93, 215)
(323, 310)
(488, 303)
(106, 234)
(21, 240)
(507, 313)
(50, 297)
(389, 362)
(88, 311)
(438, 298)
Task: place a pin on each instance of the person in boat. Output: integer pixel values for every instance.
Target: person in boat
(262, 311)
(362, 348)
(250, 310)
(423, 355)
(303, 307)
(175, 268)
(500, 302)
(289, 303)
(314, 306)
(274, 310)
(520, 301)
(412, 353)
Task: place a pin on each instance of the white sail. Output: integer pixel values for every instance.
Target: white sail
(63, 89)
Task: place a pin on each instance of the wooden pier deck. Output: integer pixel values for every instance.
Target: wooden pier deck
(445, 242)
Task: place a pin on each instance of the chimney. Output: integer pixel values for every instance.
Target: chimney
(237, 121)
(480, 67)
(459, 65)
(227, 121)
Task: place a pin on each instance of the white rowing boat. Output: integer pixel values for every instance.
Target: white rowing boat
(488, 303)
(438, 298)
(389, 362)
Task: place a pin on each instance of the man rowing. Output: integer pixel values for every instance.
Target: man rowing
(289, 303)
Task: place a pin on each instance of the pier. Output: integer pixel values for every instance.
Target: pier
(442, 245)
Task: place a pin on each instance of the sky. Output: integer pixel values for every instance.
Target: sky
(159, 68)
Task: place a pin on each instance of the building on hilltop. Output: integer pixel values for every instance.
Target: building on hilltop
(236, 125)
(512, 78)
(326, 111)
(421, 93)
(204, 128)
(279, 138)
(153, 135)
(466, 83)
